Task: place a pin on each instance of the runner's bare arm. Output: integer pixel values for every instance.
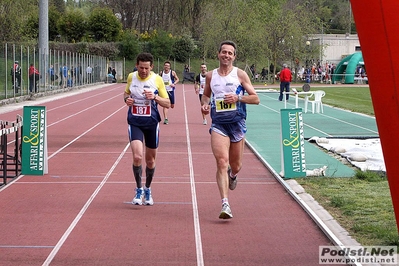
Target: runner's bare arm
(205, 108)
(252, 96)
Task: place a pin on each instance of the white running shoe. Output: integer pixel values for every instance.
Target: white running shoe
(147, 197)
(138, 199)
(204, 122)
(226, 212)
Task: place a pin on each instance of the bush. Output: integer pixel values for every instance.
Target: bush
(129, 47)
(183, 48)
(161, 44)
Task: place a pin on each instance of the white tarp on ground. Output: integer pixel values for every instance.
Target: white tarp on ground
(366, 154)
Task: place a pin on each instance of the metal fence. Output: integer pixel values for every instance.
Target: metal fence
(55, 70)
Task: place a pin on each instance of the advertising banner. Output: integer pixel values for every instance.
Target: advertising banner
(34, 141)
(293, 143)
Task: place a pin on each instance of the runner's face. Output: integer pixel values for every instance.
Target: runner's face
(226, 55)
(144, 69)
(203, 69)
(166, 67)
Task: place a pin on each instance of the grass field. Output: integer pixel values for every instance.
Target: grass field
(361, 204)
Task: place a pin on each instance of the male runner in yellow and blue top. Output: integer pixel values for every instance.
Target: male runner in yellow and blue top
(144, 91)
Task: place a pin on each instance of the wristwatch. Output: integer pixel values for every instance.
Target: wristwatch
(239, 97)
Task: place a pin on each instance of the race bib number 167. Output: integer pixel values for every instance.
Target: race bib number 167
(221, 106)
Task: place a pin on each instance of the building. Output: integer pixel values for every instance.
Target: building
(335, 47)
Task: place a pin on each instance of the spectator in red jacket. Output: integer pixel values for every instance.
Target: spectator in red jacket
(34, 77)
(285, 79)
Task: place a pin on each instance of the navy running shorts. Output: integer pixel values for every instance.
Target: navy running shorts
(149, 133)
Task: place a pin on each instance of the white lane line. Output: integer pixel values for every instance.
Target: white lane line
(83, 210)
(197, 230)
(84, 133)
(62, 148)
(330, 117)
(83, 110)
(83, 99)
(351, 124)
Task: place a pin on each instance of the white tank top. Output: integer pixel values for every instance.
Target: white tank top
(167, 80)
(202, 84)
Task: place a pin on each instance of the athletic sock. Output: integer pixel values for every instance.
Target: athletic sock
(225, 200)
(137, 170)
(232, 176)
(149, 173)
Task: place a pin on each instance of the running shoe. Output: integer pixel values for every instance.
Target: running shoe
(226, 212)
(166, 121)
(204, 122)
(147, 197)
(232, 180)
(138, 199)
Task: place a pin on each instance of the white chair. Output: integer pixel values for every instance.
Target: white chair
(316, 103)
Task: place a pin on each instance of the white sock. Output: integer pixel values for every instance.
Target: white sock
(225, 200)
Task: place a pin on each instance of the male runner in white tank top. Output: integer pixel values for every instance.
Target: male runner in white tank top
(199, 86)
(231, 90)
(170, 79)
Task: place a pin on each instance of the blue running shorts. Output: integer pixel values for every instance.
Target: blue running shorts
(235, 131)
(149, 133)
(171, 96)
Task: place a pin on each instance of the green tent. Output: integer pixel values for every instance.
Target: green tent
(345, 70)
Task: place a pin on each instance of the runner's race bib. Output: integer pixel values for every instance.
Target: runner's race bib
(141, 108)
(221, 106)
(167, 86)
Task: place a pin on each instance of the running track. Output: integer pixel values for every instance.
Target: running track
(79, 213)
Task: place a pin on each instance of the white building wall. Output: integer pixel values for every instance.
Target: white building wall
(336, 46)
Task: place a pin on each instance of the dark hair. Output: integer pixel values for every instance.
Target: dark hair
(145, 57)
(167, 62)
(228, 43)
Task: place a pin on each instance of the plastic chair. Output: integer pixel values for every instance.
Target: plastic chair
(317, 103)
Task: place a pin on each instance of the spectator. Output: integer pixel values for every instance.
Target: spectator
(16, 76)
(34, 77)
(285, 79)
(113, 72)
(89, 71)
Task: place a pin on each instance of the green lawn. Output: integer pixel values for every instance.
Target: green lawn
(361, 204)
(356, 99)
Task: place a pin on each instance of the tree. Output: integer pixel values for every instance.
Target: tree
(183, 48)
(104, 25)
(31, 29)
(161, 44)
(72, 26)
(53, 16)
(130, 45)
(239, 21)
(59, 5)
(11, 21)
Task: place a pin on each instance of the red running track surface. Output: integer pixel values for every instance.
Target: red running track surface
(79, 213)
